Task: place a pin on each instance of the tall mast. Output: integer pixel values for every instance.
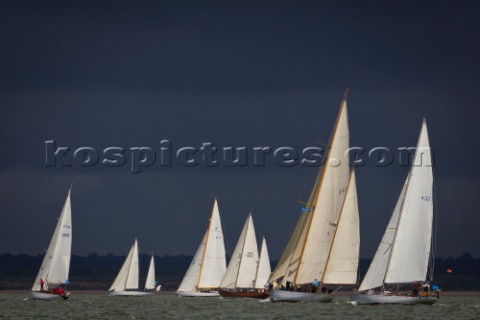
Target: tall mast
(312, 201)
(206, 243)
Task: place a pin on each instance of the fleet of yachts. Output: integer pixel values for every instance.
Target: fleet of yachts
(320, 258)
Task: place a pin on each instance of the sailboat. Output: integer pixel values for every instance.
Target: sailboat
(150, 282)
(209, 263)
(126, 282)
(240, 279)
(324, 246)
(53, 273)
(403, 256)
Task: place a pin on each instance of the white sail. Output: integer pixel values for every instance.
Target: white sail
(150, 282)
(190, 280)
(214, 262)
(132, 279)
(402, 256)
(56, 264)
(209, 264)
(243, 265)
(264, 269)
(328, 199)
(127, 278)
(342, 266)
(378, 267)
(411, 249)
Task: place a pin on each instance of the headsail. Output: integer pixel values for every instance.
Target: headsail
(190, 280)
(56, 264)
(150, 282)
(264, 269)
(378, 267)
(342, 266)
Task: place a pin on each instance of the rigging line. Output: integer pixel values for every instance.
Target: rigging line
(306, 178)
(434, 238)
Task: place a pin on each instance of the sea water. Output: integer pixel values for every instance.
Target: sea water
(168, 306)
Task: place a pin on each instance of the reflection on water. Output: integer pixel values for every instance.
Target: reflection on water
(99, 306)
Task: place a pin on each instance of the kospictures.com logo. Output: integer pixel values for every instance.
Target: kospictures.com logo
(137, 158)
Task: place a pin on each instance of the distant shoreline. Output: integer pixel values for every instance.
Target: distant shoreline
(171, 293)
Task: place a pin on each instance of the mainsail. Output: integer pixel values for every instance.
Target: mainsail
(264, 269)
(242, 268)
(209, 264)
(307, 252)
(404, 252)
(56, 264)
(150, 282)
(127, 278)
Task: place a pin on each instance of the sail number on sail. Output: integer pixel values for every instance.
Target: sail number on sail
(66, 234)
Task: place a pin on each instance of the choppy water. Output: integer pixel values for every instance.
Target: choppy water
(98, 306)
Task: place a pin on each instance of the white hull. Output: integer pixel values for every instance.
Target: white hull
(292, 296)
(391, 299)
(45, 296)
(198, 294)
(129, 293)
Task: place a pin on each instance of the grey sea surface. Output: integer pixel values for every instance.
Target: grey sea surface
(168, 306)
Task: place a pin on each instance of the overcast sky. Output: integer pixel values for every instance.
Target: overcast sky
(235, 73)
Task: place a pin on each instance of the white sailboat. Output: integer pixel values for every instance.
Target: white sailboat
(150, 282)
(209, 264)
(403, 255)
(55, 266)
(324, 247)
(126, 282)
(244, 267)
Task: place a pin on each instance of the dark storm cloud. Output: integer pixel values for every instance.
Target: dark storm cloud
(241, 73)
